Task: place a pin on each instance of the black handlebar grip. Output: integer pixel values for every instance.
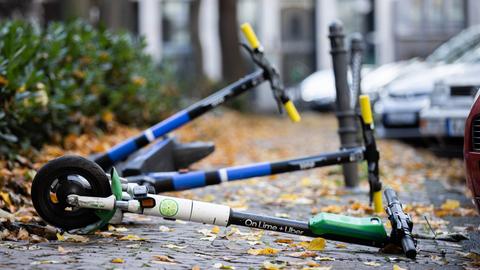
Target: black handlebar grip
(391, 196)
(409, 247)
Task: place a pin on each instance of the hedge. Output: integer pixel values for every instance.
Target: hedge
(66, 78)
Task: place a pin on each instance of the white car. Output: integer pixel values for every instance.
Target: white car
(450, 103)
(318, 89)
(398, 111)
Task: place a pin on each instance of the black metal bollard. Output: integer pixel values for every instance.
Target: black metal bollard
(356, 61)
(345, 113)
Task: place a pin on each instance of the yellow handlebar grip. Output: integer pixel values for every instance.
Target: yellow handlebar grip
(366, 110)
(292, 111)
(377, 202)
(250, 36)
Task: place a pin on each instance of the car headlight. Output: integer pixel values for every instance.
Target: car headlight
(440, 94)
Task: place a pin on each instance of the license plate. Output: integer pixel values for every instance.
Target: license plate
(456, 127)
(401, 118)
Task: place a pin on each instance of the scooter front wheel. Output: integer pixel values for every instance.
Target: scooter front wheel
(64, 176)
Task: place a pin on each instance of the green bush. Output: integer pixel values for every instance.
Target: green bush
(54, 81)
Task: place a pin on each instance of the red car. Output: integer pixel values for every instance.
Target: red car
(471, 151)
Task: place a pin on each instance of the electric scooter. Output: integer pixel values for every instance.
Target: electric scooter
(74, 194)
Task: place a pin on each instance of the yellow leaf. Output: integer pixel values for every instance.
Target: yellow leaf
(340, 245)
(196, 267)
(375, 264)
(3, 81)
(118, 260)
(396, 267)
(306, 182)
(317, 244)
(450, 205)
(108, 117)
(6, 197)
(283, 240)
(163, 258)
(72, 238)
(215, 230)
(264, 251)
(132, 237)
(272, 266)
(60, 237)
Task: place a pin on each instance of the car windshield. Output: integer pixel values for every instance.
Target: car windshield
(470, 57)
(457, 46)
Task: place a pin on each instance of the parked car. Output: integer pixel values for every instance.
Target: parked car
(450, 103)
(471, 151)
(318, 89)
(398, 109)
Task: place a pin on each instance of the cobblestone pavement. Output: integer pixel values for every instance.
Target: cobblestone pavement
(190, 245)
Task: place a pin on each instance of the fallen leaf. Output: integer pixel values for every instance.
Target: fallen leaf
(304, 254)
(62, 250)
(44, 262)
(172, 246)
(396, 267)
(117, 260)
(215, 230)
(264, 251)
(163, 258)
(340, 245)
(450, 205)
(132, 237)
(196, 267)
(283, 240)
(72, 238)
(273, 266)
(323, 259)
(22, 234)
(375, 264)
(164, 229)
(317, 268)
(222, 266)
(5, 197)
(317, 244)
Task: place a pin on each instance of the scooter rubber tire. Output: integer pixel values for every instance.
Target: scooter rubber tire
(55, 213)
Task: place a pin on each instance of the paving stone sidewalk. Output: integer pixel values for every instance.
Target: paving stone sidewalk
(186, 244)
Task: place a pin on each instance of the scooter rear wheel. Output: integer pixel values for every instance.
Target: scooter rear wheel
(62, 177)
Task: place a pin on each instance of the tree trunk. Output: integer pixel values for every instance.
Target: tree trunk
(232, 62)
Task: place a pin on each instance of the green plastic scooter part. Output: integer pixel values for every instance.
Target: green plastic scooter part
(367, 228)
(107, 215)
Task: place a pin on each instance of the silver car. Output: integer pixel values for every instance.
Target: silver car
(450, 104)
(318, 89)
(398, 109)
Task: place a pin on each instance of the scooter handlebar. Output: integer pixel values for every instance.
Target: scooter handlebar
(366, 109)
(401, 224)
(292, 111)
(251, 36)
(408, 246)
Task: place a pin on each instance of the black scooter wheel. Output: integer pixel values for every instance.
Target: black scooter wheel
(62, 177)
